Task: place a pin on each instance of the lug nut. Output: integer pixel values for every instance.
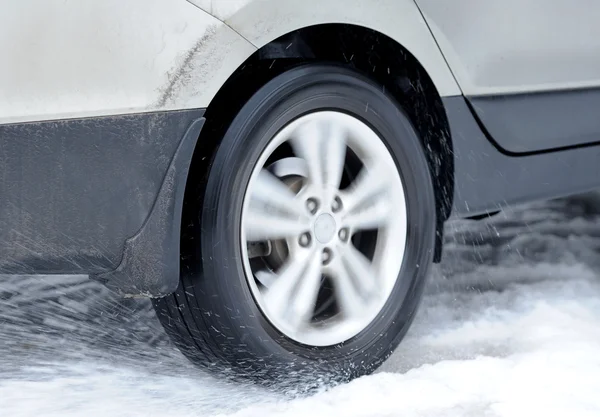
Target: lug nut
(343, 234)
(336, 205)
(326, 256)
(312, 205)
(304, 239)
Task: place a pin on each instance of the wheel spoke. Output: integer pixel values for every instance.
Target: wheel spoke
(289, 166)
(351, 301)
(262, 224)
(308, 145)
(370, 182)
(266, 278)
(361, 270)
(269, 190)
(303, 304)
(335, 156)
(372, 216)
(280, 298)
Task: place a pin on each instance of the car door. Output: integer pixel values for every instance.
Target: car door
(529, 68)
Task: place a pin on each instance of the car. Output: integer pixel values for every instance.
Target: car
(276, 174)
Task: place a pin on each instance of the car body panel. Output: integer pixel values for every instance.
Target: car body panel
(488, 180)
(220, 9)
(515, 46)
(530, 68)
(540, 122)
(71, 58)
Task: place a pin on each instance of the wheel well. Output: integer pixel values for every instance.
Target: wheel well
(365, 50)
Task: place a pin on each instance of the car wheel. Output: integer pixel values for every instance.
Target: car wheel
(314, 233)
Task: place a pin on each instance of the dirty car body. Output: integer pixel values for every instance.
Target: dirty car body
(105, 108)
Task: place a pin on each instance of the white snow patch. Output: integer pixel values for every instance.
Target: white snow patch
(531, 349)
(543, 359)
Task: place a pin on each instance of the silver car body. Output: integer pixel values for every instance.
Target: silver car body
(77, 58)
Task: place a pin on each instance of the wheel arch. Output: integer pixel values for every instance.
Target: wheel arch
(365, 50)
(261, 22)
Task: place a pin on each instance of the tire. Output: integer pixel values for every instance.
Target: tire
(215, 317)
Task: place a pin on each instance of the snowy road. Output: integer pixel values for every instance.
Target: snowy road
(510, 326)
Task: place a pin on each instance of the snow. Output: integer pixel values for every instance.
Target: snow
(510, 326)
(528, 351)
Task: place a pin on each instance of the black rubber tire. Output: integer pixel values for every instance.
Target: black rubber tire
(213, 318)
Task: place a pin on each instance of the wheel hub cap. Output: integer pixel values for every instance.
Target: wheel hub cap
(325, 228)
